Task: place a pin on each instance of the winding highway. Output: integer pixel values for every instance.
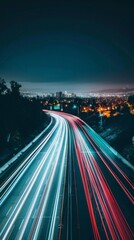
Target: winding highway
(68, 184)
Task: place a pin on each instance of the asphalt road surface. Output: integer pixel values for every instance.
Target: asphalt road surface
(69, 184)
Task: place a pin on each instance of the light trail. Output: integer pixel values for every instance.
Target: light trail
(130, 196)
(9, 184)
(36, 195)
(36, 200)
(45, 197)
(23, 198)
(92, 174)
(13, 216)
(12, 160)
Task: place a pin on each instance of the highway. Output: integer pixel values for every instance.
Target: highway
(69, 184)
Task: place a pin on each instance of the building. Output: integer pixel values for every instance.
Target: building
(59, 94)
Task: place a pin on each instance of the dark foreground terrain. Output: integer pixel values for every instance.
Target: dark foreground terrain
(118, 132)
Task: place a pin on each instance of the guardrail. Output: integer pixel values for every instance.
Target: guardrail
(13, 159)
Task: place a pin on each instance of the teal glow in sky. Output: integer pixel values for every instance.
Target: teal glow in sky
(67, 42)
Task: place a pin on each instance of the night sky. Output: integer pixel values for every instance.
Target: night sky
(67, 42)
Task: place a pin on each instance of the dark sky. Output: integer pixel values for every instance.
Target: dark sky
(67, 41)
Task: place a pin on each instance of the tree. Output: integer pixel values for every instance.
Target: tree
(15, 88)
(3, 87)
(131, 99)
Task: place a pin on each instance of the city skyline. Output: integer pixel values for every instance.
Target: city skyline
(79, 89)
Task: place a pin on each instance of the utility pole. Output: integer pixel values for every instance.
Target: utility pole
(101, 119)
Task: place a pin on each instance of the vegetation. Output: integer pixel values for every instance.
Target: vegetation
(131, 99)
(20, 117)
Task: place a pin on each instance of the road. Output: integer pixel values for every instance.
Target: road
(69, 184)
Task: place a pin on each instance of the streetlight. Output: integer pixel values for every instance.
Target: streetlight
(76, 107)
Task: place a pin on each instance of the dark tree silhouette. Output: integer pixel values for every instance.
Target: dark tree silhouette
(131, 99)
(3, 87)
(20, 117)
(15, 88)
